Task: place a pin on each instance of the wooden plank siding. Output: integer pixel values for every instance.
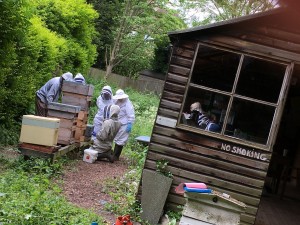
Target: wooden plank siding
(195, 157)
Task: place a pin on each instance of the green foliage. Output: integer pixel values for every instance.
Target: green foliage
(175, 215)
(129, 33)
(32, 199)
(167, 22)
(38, 39)
(74, 21)
(105, 24)
(10, 135)
(162, 168)
(40, 166)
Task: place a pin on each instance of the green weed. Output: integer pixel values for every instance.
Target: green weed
(29, 199)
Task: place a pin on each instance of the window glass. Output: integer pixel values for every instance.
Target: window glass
(203, 109)
(232, 102)
(250, 121)
(260, 79)
(215, 68)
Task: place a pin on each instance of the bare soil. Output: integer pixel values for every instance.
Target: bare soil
(83, 185)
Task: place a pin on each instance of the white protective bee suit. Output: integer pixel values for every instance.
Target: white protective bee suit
(104, 99)
(126, 118)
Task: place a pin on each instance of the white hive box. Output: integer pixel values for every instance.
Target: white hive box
(39, 130)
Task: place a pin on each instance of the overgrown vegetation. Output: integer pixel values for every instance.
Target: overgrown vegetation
(39, 39)
(29, 197)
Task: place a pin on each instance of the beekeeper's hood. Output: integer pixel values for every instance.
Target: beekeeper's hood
(111, 111)
(79, 78)
(114, 111)
(106, 93)
(120, 94)
(67, 76)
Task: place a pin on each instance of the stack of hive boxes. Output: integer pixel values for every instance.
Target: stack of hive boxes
(80, 95)
(39, 133)
(68, 115)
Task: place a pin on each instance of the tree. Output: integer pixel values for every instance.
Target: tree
(140, 21)
(208, 11)
(105, 24)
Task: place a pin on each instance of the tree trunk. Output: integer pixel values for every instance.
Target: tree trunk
(108, 70)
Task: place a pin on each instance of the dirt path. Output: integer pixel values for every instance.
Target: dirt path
(83, 184)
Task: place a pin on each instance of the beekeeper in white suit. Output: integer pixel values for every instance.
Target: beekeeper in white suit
(104, 99)
(79, 78)
(126, 117)
(50, 92)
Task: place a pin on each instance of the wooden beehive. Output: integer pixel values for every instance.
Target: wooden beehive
(79, 95)
(39, 130)
(68, 115)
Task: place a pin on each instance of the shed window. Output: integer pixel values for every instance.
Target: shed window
(238, 94)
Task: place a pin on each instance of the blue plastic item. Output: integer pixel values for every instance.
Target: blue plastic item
(198, 190)
(128, 128)
(94, 223)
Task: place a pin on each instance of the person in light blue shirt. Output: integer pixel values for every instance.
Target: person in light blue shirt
(50, 92)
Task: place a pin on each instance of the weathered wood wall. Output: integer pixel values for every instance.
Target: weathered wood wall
(198, 158)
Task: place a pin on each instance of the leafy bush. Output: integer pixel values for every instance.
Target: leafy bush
(39, 39)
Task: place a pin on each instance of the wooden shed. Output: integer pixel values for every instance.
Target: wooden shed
(245, 73)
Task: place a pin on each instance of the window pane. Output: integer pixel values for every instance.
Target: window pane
(212, 105)
(215, 68)
(260, 79)
(250, 121)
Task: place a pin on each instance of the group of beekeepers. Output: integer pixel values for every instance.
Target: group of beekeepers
(112, 123)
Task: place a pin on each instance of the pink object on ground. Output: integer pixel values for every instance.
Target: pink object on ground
(180, 188)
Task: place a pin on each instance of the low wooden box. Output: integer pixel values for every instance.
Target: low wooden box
(77, 88)
(68, 115)
(39, 130)
(69, 108)
(76, 99)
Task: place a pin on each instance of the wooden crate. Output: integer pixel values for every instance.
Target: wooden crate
(65, 123)
(78, 100)
(68, 115)
(77, 88)
(79, 134)
(66, 136)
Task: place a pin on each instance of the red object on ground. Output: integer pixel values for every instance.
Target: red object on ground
(123, 220)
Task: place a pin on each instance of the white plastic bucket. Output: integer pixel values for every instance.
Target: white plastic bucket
(90, 155)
